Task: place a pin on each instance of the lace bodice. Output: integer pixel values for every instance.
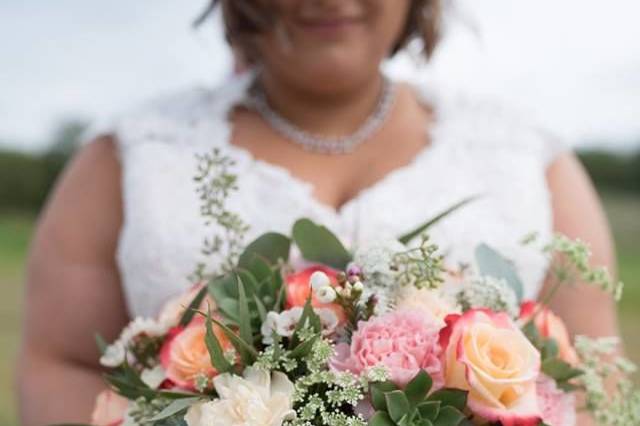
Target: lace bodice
(478, 147)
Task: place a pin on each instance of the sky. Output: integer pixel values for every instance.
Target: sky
(573, 64)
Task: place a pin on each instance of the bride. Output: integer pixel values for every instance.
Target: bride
(316, 131)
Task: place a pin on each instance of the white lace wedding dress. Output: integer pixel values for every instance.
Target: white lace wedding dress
(478, 147)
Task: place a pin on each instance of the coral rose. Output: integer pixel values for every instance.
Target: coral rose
(402, 342)
(110, 409)
(487, 354)
(550, 326)
(299, 289)
(184, 354)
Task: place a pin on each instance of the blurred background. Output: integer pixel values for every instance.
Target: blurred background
(575, 65)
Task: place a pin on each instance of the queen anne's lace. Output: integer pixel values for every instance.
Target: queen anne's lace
(476, 149)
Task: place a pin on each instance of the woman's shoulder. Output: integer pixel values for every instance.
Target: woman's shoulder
(169, 117)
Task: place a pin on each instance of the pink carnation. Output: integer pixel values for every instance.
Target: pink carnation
(403, 342)
(558, 407)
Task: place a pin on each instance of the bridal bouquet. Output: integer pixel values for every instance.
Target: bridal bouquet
(386, 335)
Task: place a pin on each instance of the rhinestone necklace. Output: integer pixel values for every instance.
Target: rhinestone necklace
(322, 144)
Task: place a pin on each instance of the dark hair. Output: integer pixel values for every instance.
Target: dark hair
(244, 19)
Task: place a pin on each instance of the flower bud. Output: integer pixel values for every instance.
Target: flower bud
(326, 294)
(319, 280)
(358, 286)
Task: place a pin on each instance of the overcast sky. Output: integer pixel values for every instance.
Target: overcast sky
(574, 63)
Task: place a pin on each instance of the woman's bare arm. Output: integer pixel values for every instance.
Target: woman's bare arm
(578, 213)
(73, 290)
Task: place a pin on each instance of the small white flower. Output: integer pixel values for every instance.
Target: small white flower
(488, 292)
(319, 280)
(153, 377)
(328, 320)
(326, 294)
(287, 321)
(269, 326)
(114, 355)
(358, 286)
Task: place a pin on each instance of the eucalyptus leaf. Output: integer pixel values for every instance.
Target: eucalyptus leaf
(493, 264)
(318, 244)
(409, 236)
(270, 247)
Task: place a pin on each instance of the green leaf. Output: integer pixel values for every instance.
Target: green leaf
(188, 314)
(304, 348)
(101, 343)
(406, 238)
(174, 408)
(259, 267)
(450, 397)
(559, 370)
(428, 409)
(377, 394)
(308, 317)
(493, 264)
(418, 387)
(216, 352)
(270, 247)
(230, 309)
(244, 314)
(549, 349)
(449, 416)
(381, 419)
(246, 350)
(397, 404)
(262, 310)
(318, 244)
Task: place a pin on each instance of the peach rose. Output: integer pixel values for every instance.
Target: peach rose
(428, 301)
(184, 353)
(550, 326)
(299, 289)
(489, 356)
(174, 309)
(109, 410)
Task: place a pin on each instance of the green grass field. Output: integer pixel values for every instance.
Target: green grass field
(15, 231)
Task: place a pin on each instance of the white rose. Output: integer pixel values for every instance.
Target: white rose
(257, 399)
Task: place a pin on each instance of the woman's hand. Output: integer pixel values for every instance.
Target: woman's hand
(73, 291)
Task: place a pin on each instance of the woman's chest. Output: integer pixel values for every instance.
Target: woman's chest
(161, 241)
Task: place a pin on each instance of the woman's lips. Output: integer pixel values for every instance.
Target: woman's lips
(329, 26)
